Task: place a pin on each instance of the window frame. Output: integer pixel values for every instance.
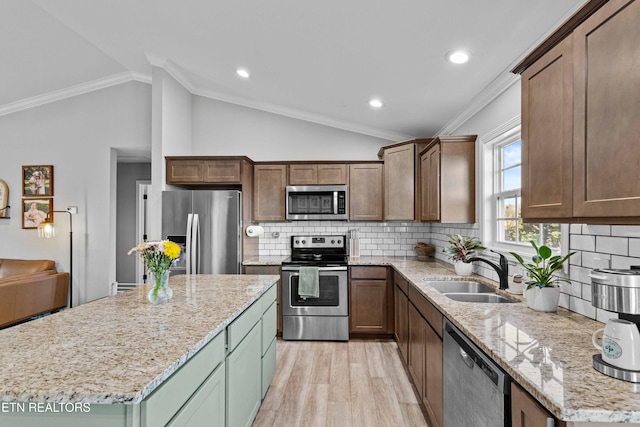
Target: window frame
(490, 165)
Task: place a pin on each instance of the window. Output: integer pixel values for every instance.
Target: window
(503, 220)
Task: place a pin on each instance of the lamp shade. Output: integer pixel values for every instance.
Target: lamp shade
(46, 230)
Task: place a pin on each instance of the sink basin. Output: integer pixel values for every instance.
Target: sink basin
(490, 298)
(455, 286)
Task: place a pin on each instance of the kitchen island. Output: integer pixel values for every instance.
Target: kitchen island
(121, 361)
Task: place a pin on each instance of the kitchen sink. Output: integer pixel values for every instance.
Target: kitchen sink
(455, 286)
(487, 298)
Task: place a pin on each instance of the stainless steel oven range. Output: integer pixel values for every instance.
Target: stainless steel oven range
(325, 318)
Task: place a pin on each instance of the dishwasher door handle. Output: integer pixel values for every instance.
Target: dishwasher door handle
(466, 358)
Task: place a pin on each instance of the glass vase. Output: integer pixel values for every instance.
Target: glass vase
(160, 292)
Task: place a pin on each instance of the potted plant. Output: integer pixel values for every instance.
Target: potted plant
(459, 249)
(543, 290)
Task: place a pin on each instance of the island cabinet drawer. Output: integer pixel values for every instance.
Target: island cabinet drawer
(240, 327)
(268, 298)
(268, 327)
(268, 366)
(162, 405)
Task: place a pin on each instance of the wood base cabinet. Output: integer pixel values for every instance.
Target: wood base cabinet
(401, 315)
(370, 301)
(425, 362)
(527, 412)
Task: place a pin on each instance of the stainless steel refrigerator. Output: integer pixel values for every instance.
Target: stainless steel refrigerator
(208, 224)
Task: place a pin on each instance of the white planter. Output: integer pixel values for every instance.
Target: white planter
(463, 268)
(543, 299)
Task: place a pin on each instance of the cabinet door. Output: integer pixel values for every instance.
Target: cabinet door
(221, 171)
(547, 135)
(416, 364)
(527, 412)
(244, 379)
(306, 174)
(184, 171)
(607, 112)
(333, 174)
(433, 386)
(399, 183)
(368, 306)
(401, 322)
(430, 172)
(365, 192)
(269, 185)
(206, 406)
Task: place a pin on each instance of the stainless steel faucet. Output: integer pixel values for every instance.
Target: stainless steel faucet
(502, 269)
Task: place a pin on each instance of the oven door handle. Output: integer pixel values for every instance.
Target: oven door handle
(320, 269)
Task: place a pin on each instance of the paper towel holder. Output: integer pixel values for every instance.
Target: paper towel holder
(254, 231)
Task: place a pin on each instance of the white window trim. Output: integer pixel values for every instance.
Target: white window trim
(504, 134)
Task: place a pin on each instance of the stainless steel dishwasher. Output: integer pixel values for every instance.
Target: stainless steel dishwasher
(476, 390)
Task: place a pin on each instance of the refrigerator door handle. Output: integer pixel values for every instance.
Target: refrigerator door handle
(196, 244)
(188, 247)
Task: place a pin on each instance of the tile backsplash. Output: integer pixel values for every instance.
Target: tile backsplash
(376, 238)
(596, 246)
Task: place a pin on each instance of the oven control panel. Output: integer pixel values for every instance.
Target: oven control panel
(299, 242)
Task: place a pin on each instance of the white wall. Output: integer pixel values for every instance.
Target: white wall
(221, 128)
(76, 136)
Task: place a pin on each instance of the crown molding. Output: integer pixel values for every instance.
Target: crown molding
(301, 115)
(491, 92)
(181, 77)
(511, 126)
(72, 91)
(505, 79)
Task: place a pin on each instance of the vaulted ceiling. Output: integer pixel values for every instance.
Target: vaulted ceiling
(320, 61)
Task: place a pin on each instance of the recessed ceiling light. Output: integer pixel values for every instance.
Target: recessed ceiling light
(457, 56)
(242, 73)
(375, 103)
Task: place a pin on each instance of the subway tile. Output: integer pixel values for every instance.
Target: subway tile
(604, 315)
(582, 307)
(612, 245)
(599, 230)
(564, 301)
(624, 263)
(579, 274)
(576, 259)
(575, 229)
(625, 231)
(595, 260)
(582, 243)
(586, 292)
(634, 247)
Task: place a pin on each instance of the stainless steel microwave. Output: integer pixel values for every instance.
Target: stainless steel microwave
(317, 202)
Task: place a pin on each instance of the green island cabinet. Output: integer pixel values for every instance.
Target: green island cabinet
(222, 385)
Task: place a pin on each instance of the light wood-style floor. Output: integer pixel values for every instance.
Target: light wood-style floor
(343, 384)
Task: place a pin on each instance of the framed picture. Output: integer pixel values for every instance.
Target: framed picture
(4, 198)
(35, 211)
(37, 180)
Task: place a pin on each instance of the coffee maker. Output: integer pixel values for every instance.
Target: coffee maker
(617, 290)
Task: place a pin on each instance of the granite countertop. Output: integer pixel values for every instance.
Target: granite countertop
(548, 354)
(265, 260)
(119, 349)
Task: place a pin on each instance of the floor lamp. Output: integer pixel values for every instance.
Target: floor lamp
(46, 230)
